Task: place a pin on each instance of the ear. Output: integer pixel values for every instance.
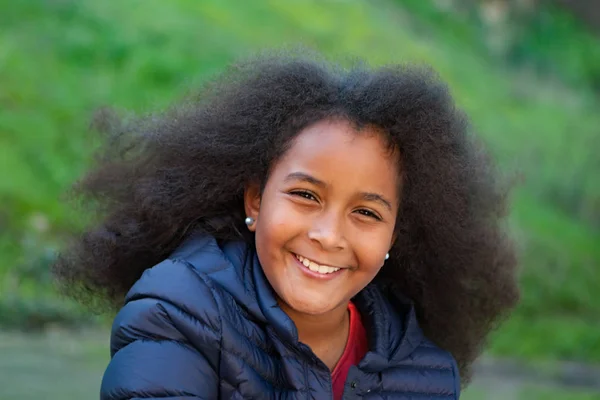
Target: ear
(252, 203)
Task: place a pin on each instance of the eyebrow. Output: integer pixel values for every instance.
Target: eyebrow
(367, 196)
(303, 177)
(377, 198)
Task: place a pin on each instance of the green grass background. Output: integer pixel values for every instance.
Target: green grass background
(62, 59)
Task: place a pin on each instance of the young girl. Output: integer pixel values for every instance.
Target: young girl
(297, 231)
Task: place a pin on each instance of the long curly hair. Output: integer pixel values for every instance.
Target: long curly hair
(159, 176)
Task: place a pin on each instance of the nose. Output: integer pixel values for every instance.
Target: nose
(327, 230)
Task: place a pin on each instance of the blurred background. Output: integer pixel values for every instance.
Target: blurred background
(527, 72)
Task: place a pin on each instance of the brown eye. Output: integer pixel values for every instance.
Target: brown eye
(369, 213)
(303, 193)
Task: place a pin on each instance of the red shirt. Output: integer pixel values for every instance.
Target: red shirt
(356, 348)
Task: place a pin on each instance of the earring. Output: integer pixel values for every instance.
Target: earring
(249, 221)
(387, 255)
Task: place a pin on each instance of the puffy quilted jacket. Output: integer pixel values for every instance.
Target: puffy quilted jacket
(204, 324)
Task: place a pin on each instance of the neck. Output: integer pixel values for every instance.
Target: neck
(325, 334)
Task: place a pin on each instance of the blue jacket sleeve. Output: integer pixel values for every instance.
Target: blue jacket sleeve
(160, 349)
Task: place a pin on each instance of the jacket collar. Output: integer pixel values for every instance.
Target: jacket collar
(391, 324)
(234, 266)
(389, 318)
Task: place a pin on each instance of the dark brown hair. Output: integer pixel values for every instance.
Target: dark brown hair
(161, 175)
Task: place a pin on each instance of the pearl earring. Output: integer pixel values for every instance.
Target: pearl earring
(387, 255)
(249, 221)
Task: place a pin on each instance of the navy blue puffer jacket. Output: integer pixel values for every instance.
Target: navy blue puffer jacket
(204, 324)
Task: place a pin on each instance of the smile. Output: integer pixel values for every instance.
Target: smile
(313, 266)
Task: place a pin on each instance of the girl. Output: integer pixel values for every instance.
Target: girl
(298, 230)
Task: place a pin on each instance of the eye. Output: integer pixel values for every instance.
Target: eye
(304, 193)
(368, 213)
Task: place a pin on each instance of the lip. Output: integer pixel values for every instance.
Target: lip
(313, 274)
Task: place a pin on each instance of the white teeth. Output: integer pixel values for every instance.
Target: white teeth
(313, 266)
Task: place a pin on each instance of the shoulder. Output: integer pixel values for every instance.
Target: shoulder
(175, 281)
(438, 365)
(161, 343)
(411, 359)
(428, 372)
(190, 291)
(429, 354)
(171, 301)
(432, 356)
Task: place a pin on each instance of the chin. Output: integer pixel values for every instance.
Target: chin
(308, 310)
(311, 307)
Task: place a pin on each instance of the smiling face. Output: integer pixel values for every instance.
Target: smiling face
(326, 216)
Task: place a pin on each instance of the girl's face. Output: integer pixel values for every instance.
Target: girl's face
(325, 219)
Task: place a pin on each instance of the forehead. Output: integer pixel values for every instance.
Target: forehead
(336, 152)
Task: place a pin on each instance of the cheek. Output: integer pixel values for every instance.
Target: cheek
(370, 260)
(370, 250)
(278, 223)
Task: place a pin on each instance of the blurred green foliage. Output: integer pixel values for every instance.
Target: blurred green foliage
(62, 59)
(523, 34)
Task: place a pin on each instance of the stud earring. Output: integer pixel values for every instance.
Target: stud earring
(249, 221)
(387, 255)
